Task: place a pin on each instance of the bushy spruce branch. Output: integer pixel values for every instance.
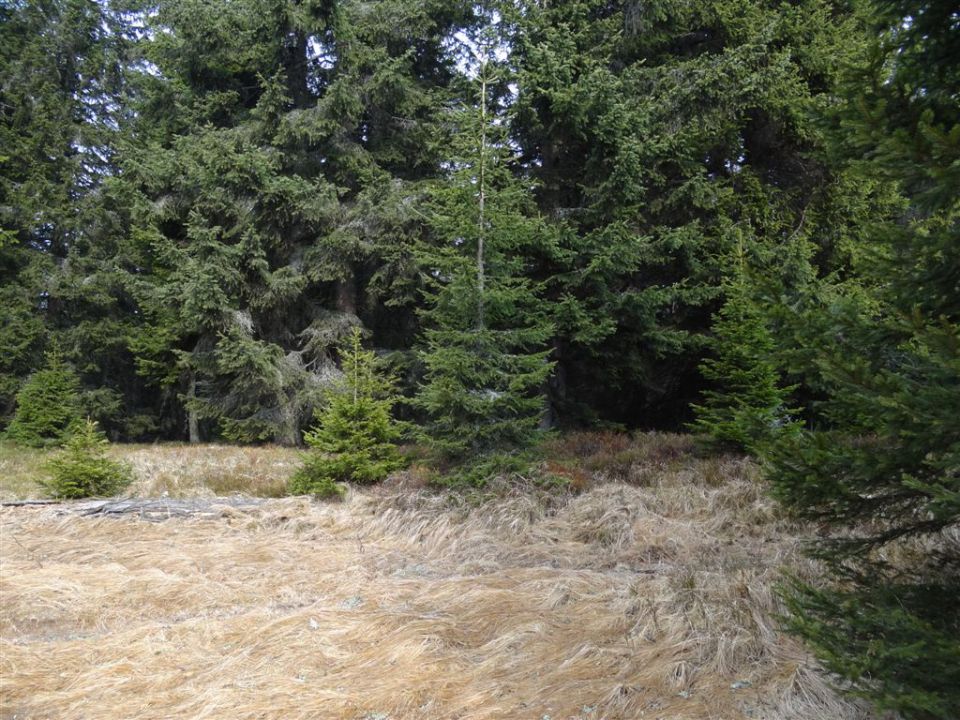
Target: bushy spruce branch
(82, 469)
(355, 439)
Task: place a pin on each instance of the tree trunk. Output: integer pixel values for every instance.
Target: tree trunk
(481, 219)
(295, 64)
(346, 294)
(193, 422)
(555, 392)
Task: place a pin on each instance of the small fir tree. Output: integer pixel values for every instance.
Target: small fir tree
(47, 404)
(82, 469)
(355, 438)
(747, 408)
(486, 329)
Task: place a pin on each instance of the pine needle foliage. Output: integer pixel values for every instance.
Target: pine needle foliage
(47, 404)
(355, 439)
(82, 469)
(484, 352)
(882, 473)
(747, 407)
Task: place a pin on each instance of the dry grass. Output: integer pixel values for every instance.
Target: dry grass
(624, 601)
(20, 469)
(174, 470)
(205, 470)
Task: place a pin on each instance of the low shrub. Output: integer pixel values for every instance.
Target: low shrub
(311, 479)
(566, 474)
(356, 436)
(582, 444)
(487, 468)
(83, 469)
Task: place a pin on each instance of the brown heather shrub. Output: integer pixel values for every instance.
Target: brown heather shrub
(638, 459)
(583, 444)
(575, 478)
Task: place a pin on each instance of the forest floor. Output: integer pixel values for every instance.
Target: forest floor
(648, 592)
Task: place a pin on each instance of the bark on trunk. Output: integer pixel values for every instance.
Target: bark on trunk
(346, 294)
(193, 422)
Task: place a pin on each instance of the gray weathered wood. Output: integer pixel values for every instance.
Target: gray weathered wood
(161, 509)
(154, 509)
(18, 503)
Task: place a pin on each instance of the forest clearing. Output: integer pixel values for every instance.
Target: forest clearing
(387, 359)
(647, 594)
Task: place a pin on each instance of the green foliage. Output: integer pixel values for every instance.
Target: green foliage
(880, 472)
(478, 473)
(62, 81)
(275, 180)
(21, 333)
(881, 479)
(355, 438)
(651, 128)
(312, 479)
(482, 388)
(82, 469)
(747, 407)
(198, 201)
(47, 404)
(484, 354)
(887, 635)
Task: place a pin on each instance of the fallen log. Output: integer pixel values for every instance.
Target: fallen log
(20, 503)
(163, 509)
(154, 509)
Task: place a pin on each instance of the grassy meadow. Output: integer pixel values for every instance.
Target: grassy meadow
(165, 470)
(639, 586)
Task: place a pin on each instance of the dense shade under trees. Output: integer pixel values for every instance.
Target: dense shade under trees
(738, 214)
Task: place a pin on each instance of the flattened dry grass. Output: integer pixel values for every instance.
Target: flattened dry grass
(623, 601)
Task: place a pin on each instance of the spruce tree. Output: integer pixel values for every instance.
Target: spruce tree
(355, 437)
(276, 167)
(746, 407)
(82, 469)
(47, 404)
(484, 344)
(62, 102)
(651, 126)
(881, 473)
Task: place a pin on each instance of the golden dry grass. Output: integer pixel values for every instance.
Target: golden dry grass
(208, 470)
(20, 469)
(168, 469)
(624, 601)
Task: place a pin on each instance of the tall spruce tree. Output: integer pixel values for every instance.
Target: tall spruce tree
(276, 166)
(62, 69)
(486, 330)
(883, 477)
(653, 128)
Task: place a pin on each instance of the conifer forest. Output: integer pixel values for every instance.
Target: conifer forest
(474, 244)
